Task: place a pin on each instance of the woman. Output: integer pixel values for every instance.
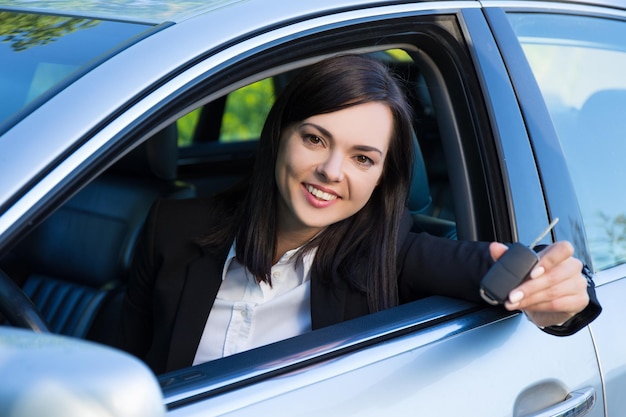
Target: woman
(318, 234)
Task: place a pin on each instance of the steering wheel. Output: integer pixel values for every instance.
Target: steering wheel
(17, 308)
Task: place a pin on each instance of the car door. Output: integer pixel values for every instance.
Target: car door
(435, 356)
(578, 58)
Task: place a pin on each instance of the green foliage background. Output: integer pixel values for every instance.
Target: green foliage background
(244, 115)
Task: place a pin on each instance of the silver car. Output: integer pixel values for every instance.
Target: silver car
(520, 115)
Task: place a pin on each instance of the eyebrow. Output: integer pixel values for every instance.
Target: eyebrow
(325, 132)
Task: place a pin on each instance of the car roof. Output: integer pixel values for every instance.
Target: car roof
(617, 4)
(160, 11)
(156, 11)
(145, 11)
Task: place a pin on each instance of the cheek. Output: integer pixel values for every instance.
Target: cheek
(289, 163)
(282, 158)
(364, 187)
(296, 160)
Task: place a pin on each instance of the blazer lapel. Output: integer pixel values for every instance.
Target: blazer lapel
(204, 277)
(327, 303)
(337, 303)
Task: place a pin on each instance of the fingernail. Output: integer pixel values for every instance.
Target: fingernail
(537, 272)
(511, 306)
(515, 297)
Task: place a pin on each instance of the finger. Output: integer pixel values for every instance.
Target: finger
(551, 256)
(547, 297)
(545, 277)
(570, 305)
(564, 288)
(497, 249)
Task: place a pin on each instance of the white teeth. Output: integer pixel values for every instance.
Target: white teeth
(320, 194)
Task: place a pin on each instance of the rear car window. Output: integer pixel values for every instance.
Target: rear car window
(579, 63)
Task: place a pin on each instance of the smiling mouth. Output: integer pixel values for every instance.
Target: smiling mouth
(319, 194)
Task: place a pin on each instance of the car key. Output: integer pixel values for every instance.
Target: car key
(511, 270)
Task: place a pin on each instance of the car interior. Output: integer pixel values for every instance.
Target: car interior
(74, 265)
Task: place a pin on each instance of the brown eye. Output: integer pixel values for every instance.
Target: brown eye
(364, 160)
(313, 139)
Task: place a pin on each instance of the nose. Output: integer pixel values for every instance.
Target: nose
(331, 168)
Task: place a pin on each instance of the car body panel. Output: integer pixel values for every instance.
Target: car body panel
(610, 344)
(414, 373)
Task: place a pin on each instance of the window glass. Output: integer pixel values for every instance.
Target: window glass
(579, 63)
(39, 51)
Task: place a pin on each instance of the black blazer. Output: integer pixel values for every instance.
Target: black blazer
(174, 282)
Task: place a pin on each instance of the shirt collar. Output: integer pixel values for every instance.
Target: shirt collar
(232, 253)
(307, 259)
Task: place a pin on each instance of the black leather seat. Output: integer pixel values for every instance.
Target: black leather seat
(78, 258)
(420, 202)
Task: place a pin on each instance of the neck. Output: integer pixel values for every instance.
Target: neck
(288, 240)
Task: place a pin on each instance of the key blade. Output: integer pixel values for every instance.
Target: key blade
(544, 233)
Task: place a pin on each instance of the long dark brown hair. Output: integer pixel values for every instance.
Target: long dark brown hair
(360, 250)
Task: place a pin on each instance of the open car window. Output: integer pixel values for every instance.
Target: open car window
(217, 148)
(217, 142)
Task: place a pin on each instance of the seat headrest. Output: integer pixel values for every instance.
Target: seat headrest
(155, 157)
(419, 194)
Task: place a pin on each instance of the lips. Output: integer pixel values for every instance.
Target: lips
(320, 194)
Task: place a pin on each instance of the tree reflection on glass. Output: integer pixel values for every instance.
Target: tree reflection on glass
(23, 31)
(613, 239)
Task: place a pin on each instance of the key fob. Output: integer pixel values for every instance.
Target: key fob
(508, 272)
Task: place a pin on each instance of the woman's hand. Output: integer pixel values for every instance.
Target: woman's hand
(556, 290)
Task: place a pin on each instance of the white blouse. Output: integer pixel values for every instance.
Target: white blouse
(247, 314)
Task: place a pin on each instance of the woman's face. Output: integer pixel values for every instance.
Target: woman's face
(329, 164)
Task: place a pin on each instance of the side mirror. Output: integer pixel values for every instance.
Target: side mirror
(52, 375)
